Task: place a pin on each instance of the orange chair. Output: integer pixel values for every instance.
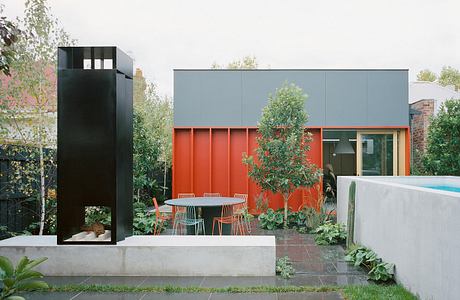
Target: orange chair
(159, 217)
(228, 216)
(242, 209)
(211, 195)
(185, 195)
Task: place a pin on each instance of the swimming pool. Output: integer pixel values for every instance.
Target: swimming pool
(447, 188)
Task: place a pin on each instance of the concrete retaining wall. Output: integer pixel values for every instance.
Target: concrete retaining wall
(413, 227)
(151, 256)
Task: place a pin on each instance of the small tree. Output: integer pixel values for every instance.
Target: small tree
(442, 155)
(426, 75)
(247, 62)
(449, 76)
(283, 165)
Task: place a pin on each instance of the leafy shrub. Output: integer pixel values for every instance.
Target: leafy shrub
(144, 222)
(308, 219)
(271, 219)
(21, 278)
(284, 267)
(98, 214)
(330, 234)
(378, 270)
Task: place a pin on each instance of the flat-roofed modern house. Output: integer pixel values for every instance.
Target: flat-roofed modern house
(359, 120)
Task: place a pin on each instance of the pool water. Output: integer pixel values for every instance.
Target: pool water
(444, 188)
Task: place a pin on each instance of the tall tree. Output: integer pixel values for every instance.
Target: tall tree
(450, 76)
(30, 97)
(426, 75)
(442, 156)
(247, 62)
(152, 138)
(9, 34)
(283, 165)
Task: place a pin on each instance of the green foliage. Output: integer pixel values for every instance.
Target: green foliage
(146, 152)
(271, 219)
(330, 234)
(283, 165)
(28, 100)
(152, 138)
(351, 214)
(284, 267)
(426, 75)
(308, 219)
(377, 292)
(9, 35)
(378, 270)
(247, 62)
(19, 278)
(443, 142)
(143, 222)
(449, 76)
(98, 214)
(304, 221)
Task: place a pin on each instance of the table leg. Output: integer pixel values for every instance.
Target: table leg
(208, 214)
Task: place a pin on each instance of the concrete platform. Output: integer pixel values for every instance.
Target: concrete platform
(151, 256)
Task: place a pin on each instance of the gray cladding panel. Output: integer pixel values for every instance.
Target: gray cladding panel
(346, 98)
(258, 85)
(387, 98)
(335, 97)
(207, 99)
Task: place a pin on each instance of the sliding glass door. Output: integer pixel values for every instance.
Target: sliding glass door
(377, 153)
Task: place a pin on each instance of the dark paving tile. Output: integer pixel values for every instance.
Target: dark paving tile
(299, 279)
(176, 296)
(48, 296)
(172, 280)
(344, 267)
(295, 253)
(344, 280)
(310, 296)
(109, 296)
(116, 280)
(264, 296)
(221, 282)
(268, 280)
(64, 280)
(314, 267)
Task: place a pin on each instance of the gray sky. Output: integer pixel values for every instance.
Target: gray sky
(163, 35)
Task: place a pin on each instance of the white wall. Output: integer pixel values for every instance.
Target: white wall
(415, 228)
(423, 90)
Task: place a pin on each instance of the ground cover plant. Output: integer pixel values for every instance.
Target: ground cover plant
(284, 267)
(330, 234)
(379, 292)
(19, 278)
(143, 221)
(378, 270)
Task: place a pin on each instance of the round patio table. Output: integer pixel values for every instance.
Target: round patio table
(210, 207)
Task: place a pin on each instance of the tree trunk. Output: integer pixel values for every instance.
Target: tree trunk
(164, 179)
(42, 179)
(286, 200)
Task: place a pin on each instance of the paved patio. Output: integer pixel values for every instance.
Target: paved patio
(314, 265)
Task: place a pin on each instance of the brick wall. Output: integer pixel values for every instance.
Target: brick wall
(420, 123)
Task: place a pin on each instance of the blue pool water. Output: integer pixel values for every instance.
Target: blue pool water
(444, 188)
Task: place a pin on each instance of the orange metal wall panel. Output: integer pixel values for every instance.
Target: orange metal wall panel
(254, 189)
(182, 161)
(238, 171)
(219, 166)
(210, 160)
(201, 183)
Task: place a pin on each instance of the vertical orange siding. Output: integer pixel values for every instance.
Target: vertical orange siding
(210, 160)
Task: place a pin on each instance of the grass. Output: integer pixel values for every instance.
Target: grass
(377, 292)
(373, 291)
